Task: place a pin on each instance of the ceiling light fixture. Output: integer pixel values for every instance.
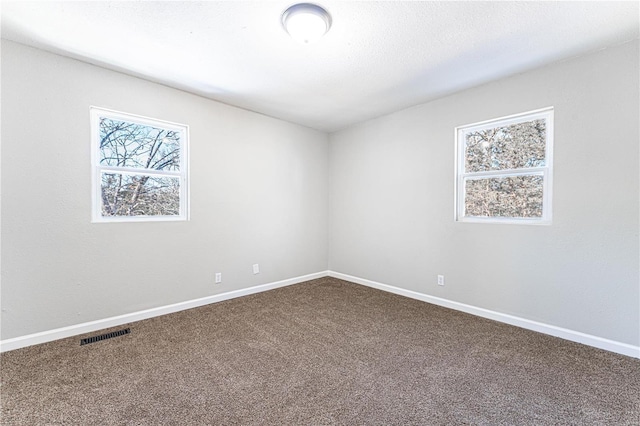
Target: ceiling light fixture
(306, 22)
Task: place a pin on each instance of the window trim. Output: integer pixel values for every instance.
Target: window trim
(96, 169)
(546, 171)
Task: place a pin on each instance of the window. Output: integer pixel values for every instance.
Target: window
(139, 168)
(504, 169)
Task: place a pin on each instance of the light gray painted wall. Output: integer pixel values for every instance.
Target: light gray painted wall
(259, 191)
(392, 201)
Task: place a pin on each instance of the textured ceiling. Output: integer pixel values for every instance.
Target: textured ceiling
(377, 58)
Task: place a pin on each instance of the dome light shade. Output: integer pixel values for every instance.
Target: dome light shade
(306, 22)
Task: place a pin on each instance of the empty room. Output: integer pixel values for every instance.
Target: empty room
(331, 213)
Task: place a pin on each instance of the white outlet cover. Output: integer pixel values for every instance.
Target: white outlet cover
(256, 268)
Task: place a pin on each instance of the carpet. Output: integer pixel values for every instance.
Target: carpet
(324, 352)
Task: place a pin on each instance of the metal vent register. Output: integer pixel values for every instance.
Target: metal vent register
(105, 336)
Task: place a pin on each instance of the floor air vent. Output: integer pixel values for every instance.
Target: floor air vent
(105, 336)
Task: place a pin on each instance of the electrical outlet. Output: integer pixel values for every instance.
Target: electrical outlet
(256, 268)
(440, 279)
(218, 277)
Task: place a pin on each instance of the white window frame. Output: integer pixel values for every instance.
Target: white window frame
(545, 172)
(97, 169)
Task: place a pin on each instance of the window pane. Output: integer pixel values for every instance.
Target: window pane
(125, 144)
(140, 195)
(506, 147)
(514, 196)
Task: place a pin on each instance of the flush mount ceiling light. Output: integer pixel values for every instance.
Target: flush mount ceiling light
(306, 22)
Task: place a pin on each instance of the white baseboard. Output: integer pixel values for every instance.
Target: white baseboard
(563, 333)
(87, 327)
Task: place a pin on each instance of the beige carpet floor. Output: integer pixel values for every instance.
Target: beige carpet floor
(320, 353)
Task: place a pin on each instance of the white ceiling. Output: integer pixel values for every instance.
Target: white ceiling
(378, 57)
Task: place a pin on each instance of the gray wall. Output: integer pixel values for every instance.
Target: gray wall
(392, 201)
(259, 191)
